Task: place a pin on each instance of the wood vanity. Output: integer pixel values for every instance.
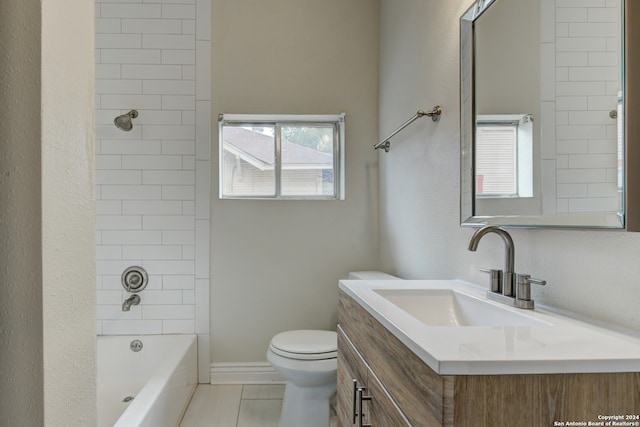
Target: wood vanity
(405, 391)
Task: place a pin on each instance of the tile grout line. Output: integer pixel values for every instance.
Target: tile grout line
(239, 405)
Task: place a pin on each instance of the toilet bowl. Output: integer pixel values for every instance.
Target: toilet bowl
(307, 359)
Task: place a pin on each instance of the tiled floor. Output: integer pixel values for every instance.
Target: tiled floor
(235, 406)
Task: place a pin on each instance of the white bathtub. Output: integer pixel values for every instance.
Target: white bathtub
(161, 377)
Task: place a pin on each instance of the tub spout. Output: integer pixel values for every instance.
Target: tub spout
(132, 300)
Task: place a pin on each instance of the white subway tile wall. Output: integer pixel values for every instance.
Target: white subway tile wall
(581, 49)
(153, 183)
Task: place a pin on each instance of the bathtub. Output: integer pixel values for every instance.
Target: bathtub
(161, 378)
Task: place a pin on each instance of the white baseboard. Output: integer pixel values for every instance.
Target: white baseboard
(244, 373)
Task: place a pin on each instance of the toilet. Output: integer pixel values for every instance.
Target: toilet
(371, 275)
(308, 360)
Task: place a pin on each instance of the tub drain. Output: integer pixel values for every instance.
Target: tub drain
(127, 399)
(135, 345)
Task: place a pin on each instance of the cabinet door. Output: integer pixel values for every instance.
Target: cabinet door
(383, 412)
(379, 410)
(423, 396)
(351, 367)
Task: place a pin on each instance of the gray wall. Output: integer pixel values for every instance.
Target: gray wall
(20, 253)
(276, 264)
(47, 309)
(590, 273)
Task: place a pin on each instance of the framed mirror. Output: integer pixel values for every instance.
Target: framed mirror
(544, 141)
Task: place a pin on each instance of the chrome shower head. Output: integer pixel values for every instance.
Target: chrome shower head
(124, 121)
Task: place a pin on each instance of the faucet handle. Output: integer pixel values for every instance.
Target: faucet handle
(523, 288)
(537, 281)
(496, 279)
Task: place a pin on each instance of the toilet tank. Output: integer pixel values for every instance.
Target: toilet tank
(371, 275)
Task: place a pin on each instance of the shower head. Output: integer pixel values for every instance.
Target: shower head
(124, 121)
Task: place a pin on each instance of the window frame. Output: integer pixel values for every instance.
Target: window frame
(277, 121)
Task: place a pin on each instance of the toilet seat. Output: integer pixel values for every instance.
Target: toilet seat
(305, 345)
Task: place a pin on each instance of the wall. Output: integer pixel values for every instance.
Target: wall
(47, 339)
(499, 90)
(276, 264)
(21, 255)
(152, 183)
(68, 212)
(590, 273)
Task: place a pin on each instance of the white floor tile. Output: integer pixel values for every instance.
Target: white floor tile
(213, 406)
(236, 406)
(260, 391)
(259, 413)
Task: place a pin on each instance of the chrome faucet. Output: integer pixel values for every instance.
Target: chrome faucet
(508, 287)
(132, 300)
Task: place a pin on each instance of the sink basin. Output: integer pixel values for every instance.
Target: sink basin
(447, 307)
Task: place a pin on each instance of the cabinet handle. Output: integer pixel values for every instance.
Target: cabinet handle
(354, 402)
(362, 397)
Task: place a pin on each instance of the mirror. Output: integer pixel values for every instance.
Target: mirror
(542, 114)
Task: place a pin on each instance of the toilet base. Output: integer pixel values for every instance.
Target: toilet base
(307, 406)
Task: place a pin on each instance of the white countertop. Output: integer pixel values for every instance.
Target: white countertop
(562, 345)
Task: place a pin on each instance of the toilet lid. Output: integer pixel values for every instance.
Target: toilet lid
(305, 344)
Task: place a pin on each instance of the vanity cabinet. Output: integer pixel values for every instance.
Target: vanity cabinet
(405, 391)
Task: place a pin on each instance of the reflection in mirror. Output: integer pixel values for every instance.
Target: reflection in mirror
(542, 120)
(503, 159)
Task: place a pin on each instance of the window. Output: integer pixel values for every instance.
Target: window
(504, 159)
(281, 156)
